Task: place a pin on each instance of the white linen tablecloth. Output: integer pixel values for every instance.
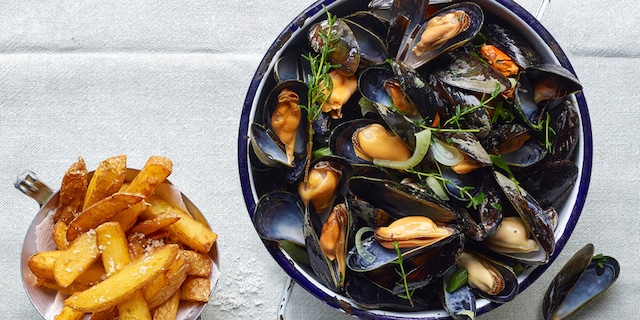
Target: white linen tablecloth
(101, 78)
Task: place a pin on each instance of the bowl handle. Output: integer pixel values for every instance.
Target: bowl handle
(284, 300)
(29, 184)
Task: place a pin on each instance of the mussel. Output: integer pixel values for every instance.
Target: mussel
(580, 280)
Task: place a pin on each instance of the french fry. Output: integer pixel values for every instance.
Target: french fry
(69, 314)
(100, 212)
(200, 263)
(59, 235)
(115, 256)
(166, 284)
(109, 314)
(41, 265)
(168, 310)
(123, 284)
(187, 230)
(72, 192)
(73, 261)
(128, 217)
(196, 289)
(156, 223)
(154, 172)
(107, 179)
(71, 289)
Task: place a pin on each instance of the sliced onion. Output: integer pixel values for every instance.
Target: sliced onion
(364, 254)
(445, 154)
(437, 188)
(423, 140)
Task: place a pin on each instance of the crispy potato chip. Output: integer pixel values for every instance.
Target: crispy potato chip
(69, 314)
(73, 261)
(100, 212)
(115, 256)
(123, 284)
(154, 172)
(187, 230)
(168, 310)
(107, 179)
(196, 289)
(72, 192)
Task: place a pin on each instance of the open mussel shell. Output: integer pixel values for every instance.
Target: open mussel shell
(264, 141)
(371, 84)
(579, 281)
(535, 220)
(461, 303)
(279, 217)
(422, 264)
(511, 43)
(539, 88)
(370, 46)
(346, 51)
(475, 18)
(465, 71)
(371, 296)
(506, 275)
(400, 200)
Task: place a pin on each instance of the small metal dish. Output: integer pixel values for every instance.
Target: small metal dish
(49, 302)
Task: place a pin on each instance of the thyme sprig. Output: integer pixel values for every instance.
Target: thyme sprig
(460, 112)
(465, 191)
(544, 125)
(319, 82)
(408, 293)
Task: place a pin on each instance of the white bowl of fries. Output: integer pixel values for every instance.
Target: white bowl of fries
(117, 242)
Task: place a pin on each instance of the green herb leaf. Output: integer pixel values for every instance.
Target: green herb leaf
(599, 259)
(458, 279)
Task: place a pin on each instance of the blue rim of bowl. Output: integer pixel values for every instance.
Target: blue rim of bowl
(282, 260)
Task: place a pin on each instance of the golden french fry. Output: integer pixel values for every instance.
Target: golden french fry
(72, 192)
(200, 263)
(69, 314)
(187, 230)
(109, 314)
(100, 212)
(73, 261)
(154, 172)
(107, 179)
(59, 235)
(156, 223)
(128, 217)
(115, 256)
(123, 284)
(168, 310)
(166, 284)
(71, 289)
(196, 289)
(41, 263)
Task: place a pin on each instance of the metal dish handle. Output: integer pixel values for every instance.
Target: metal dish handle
(29, 184)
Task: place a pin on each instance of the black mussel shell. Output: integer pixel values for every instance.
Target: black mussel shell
(401, 200)
(476, 20)
(511, 43)
(278, 217)
(552, 183)
(346, 51)
(462, 70)
(579, 281)
(565, 122)
(461, 303)
(534, 218)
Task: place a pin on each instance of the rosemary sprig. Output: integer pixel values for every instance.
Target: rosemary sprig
(408, 293)
(319, 82)
(465, 191)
